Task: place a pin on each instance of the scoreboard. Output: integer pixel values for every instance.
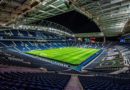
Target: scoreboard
(90, 40)
(122, 40)
(87, 40)
(125, 39)
(93, 39)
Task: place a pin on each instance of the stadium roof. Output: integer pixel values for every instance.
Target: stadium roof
(111, 16)
(46, 9)
(76, 22)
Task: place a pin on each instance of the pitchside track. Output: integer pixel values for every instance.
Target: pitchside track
(70, 55)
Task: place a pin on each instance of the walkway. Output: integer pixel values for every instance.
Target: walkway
(74, 83)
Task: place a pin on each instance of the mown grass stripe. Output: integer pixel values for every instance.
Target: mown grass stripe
(70, 57)
(71, 54)
(49, 52)
(85, 57)
(80, 58)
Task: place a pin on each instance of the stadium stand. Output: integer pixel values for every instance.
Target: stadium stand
(125, 52)
(31, 81)
(12, 37)
(104, 82)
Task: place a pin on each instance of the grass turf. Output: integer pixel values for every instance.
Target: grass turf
(70, 55)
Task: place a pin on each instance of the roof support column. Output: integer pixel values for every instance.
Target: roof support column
(104, 39)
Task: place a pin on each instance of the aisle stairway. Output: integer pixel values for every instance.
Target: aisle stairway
(74, 84)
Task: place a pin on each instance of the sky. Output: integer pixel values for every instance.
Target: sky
(76, 22)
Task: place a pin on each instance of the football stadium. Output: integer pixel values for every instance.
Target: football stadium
(64, 44)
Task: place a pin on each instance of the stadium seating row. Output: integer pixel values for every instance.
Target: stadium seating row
(33, 81)
(31, 45)
(22, 34)
(125, 52)
(104, 83)
(53, 81)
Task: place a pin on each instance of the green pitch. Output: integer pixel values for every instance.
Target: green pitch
(70, 55)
